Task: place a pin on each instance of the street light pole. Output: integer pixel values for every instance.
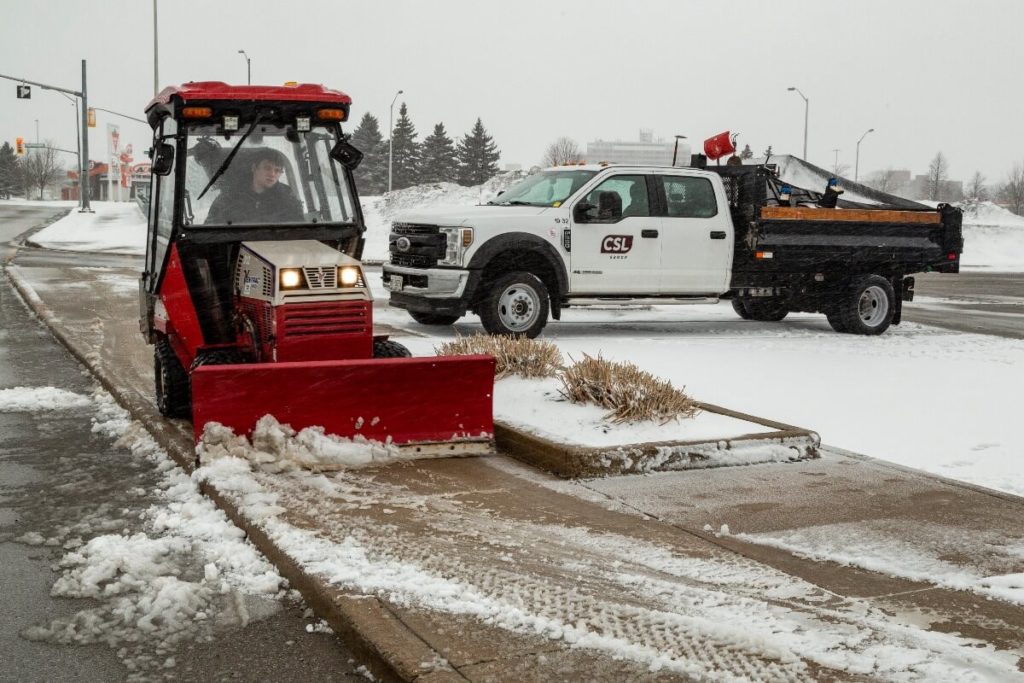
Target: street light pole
(156, 54)
(248, 67)
(391, 136)
(835, 168)
(78, 142)
(807, 113)
(856, 165)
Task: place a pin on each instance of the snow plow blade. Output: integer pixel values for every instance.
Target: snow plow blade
(441, 405)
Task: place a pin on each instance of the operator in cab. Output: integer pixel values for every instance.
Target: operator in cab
(263, 200)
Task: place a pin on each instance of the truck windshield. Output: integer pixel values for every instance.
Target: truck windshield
(547, 188)
(277, 175)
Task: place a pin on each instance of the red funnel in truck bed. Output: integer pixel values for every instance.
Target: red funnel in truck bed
(441, 404)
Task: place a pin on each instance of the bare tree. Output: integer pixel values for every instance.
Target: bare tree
(562, 151)
(887, 181)
(840, 170)
(976, 190)
(41, 168)
(938, 173)
(1012, 191)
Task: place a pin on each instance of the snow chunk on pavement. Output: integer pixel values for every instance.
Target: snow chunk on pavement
(276, 447)
(39, 399)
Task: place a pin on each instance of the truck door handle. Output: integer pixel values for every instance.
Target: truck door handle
(648, 233)
(718, 234)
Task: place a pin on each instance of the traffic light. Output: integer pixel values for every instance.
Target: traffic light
(91, 118)
(19, 146)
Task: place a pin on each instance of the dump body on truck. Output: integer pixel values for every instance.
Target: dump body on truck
(573, 235)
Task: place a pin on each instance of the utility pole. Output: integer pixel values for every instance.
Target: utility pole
(835, 168)
(83, 183)
(156, 56)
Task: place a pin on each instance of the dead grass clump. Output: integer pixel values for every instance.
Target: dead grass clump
(627, 391)
(512, 355)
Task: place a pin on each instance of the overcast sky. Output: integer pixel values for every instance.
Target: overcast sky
(927, 75)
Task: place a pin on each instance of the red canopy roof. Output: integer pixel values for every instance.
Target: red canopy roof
(218, 90)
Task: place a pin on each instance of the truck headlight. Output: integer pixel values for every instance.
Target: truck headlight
(291, 278)
(348, 275)
(457, 240)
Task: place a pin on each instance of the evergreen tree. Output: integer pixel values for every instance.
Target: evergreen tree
(438, 162)
(406, 152)
(8, 171)
(372, 174)
(478, 156)
(747, 153)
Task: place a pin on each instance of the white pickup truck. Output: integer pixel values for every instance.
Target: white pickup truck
(575, 235)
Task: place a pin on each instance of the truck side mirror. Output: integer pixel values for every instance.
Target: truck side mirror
(579, 213)
(163, 159)
(346, 155)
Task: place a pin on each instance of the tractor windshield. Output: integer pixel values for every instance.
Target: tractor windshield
(276, 175)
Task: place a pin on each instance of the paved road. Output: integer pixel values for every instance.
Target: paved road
(56, 473)
(974, 301)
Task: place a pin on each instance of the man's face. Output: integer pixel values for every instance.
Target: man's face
(265, 175)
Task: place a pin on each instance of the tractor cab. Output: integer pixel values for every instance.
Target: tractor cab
(252, 292)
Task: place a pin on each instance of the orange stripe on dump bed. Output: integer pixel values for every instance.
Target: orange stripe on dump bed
(804, 213)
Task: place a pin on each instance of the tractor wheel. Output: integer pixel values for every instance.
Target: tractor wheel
(770, 310)
(385, 348)
(740, 306)
(173, 389)
(433, 318)
(868, 306)
(515, 306)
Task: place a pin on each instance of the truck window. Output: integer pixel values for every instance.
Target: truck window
(619, 196)
(688, 197)
(163, 202)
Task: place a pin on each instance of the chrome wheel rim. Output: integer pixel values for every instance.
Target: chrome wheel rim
(518, 307)
(873, 306)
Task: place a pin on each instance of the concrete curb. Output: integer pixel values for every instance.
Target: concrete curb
(785, 443)
(392, 650)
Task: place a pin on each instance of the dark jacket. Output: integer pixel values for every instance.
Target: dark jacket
(241, 205)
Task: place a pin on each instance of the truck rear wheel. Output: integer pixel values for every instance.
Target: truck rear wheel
(173, 389)
(740, 307)
(433, 318)
(516, 305)
(385, 348)
(768, 310)
(868, 306)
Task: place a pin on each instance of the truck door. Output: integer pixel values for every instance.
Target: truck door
(696, 236)
(615, 246)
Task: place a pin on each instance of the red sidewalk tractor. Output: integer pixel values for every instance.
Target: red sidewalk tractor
(253, 294)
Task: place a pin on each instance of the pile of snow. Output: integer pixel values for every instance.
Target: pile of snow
(989, 215)
(36, 399)
(993, 237)
(379, 212)
(276, 447)
(114, 227)
(190, 572)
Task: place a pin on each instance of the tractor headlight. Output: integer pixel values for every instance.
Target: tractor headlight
(457, 240)
(291, 278)
(348, 275)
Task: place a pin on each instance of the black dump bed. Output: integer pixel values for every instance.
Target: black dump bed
(779, 240)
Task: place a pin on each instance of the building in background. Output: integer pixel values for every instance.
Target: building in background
(646, 151)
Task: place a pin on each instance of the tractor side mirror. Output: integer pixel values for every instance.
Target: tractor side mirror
(163, 159)
(346, 155)
(580, 213)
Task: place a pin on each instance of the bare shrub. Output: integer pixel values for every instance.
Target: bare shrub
(630, 393)
(512, 355)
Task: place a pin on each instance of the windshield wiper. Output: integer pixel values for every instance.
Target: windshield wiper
(513, 202)
(230, 156)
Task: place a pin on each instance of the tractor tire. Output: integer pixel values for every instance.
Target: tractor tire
(385, 348)
(173, 389)
(433, 318)
(868, 306)
(516, 305)
(740, 306)
(766, 311)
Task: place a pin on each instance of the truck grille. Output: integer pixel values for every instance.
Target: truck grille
(413, 261)
(321, 278)
(336, 317)
(424, 245)
(413, 229)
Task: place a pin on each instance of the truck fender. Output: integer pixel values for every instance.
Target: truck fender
(517, 244)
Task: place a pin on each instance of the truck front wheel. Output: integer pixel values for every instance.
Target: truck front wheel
(516, 305)
(433, 318)
(867, 308)
(173, 389)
